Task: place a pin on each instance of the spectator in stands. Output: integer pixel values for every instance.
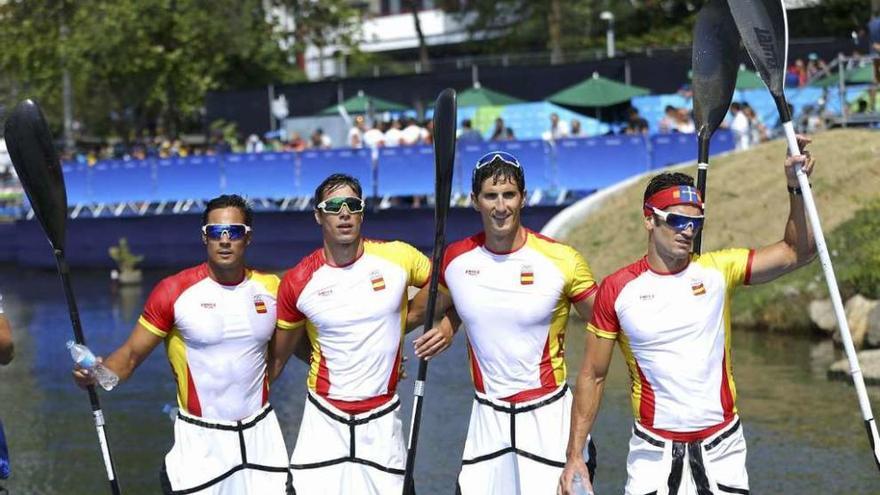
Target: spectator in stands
(510, 135)
(499, 132)
(684, 123)
(635, 124)
(296, 143)
(757, 129)
(558, 129)
(319, 140)
(468, 134)
(356, 133)
(799, 69)
(393, 134)
(221, 146)
(855, 61)
(576, 131)
(669, 121)
(815, 66)
(739, 126)
(374, 137)
(412, 134)
(254, 144)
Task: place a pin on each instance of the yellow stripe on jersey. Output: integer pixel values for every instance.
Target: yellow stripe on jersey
(634, 378)
(416, 265)
(268, 280)
(558, 321)
(175, 348)
(732, 263)
(601, 333)
(153, 329)
(573, 266)
(288, 325)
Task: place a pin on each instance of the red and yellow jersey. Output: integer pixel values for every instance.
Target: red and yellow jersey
(674, 332)
(216, 338)
(515, 307)
(355, 317)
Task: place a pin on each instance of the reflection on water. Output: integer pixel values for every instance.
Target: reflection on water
(805, 434)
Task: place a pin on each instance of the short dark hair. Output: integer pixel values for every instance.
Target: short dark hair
(229, 201)
(664, 180)
(498, 170)
(334, 182)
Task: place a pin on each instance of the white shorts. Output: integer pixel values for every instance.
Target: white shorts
(227, 457)
(518, 449)
(338, 453)
(714, 466)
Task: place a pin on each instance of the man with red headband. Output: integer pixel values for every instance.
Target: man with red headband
(670, 312)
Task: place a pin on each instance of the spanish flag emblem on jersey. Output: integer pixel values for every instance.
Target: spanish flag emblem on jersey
(377, 281)
(259, 305)
(697, 287)
(526, 275)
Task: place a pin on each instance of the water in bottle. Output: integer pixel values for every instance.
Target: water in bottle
(83, 356)
(578, 487)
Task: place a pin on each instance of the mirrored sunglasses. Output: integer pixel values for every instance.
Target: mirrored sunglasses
(233, 231)
(497, 155)
(334, 205)
(678, 221)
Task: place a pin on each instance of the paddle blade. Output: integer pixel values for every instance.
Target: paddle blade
(715, 64)
(36, 162)
(763, 26)
(444, 149)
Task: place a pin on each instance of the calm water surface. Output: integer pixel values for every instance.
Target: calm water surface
(804, 433)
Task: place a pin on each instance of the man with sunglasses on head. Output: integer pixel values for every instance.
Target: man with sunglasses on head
(513, 289)
(343, 309)
(216, 320)
(670, 312)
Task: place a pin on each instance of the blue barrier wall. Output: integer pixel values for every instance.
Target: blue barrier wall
(573, 164)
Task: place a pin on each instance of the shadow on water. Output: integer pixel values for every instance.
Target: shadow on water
(805, 434)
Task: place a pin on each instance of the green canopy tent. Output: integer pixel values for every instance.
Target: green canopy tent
(362, 103)
(597, 92)
(478, 96)
(746, 79)
(862, 75)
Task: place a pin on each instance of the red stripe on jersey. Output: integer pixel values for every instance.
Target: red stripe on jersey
(265, 388)
(359, 406)
(748, 276)
(395, 371)
(585, 294)
(322, 383)
(604, 315)
(458, 248)
(293, 283)
(475, 371)
(646, 404)
(726, 392)
(689, 436)
(193, 406)
(546, 367)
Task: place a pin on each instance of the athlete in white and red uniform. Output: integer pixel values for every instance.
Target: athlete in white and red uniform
(670, 312)
(513, 290)
(216, 320)
(349, 300)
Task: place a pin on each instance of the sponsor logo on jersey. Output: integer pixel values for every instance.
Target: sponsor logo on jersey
(526, 275)
(259, 305)
(646, 297)
(697, 287)
(326, 291)
(377, 280)
(208, 305)
(473, 272)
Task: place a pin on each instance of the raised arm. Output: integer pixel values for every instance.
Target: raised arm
(124, 360)
(797, 247)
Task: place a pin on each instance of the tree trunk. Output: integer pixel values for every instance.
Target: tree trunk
(554, 30)
(424, 59)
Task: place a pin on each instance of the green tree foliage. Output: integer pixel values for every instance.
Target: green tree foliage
(136, 63)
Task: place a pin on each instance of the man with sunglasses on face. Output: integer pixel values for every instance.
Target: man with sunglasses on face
(670, 312)
(343, 309)
(216, 320)
(513, 289)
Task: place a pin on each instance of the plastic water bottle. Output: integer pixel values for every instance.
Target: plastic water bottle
(83, 356)
(171, 411)
(578, 487)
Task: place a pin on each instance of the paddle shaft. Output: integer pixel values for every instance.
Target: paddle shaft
(79, 338)
(834, 292)
(702, 176)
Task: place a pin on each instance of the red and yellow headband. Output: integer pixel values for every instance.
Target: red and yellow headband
(671, 196)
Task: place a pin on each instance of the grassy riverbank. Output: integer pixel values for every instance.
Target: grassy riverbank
(747, 206)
